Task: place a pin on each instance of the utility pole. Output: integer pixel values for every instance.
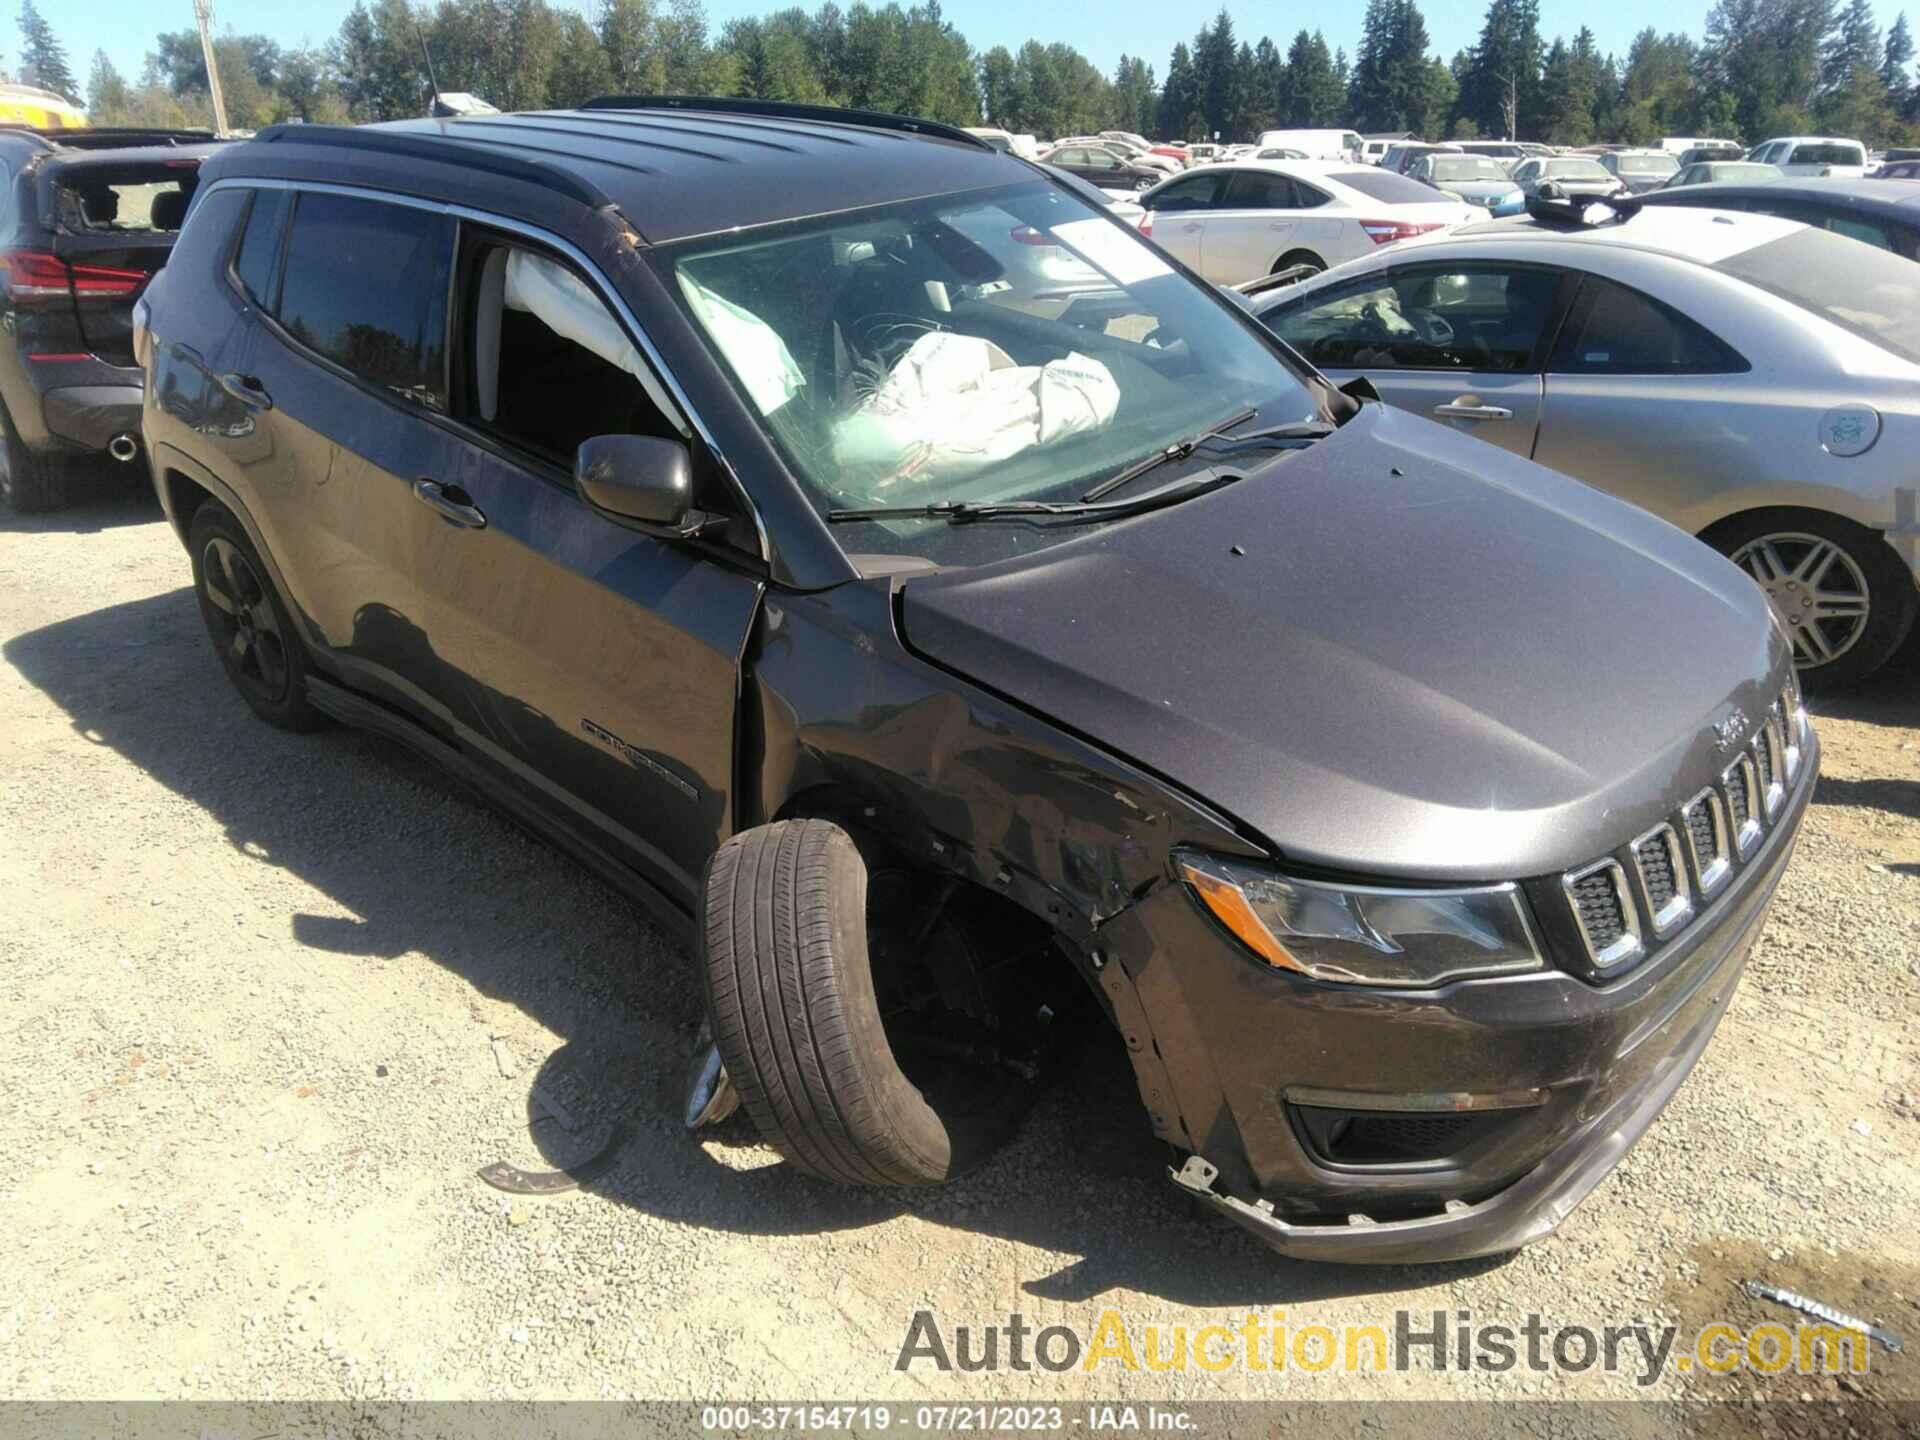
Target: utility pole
(1512, 105)
(203, 14)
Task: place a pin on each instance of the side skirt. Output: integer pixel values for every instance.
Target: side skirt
(361, 713)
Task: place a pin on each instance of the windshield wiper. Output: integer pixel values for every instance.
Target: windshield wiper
(958, 511)
(1217, 436)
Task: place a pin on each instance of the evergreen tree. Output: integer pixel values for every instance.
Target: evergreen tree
(1500, 91)
(107, 91)
(1896, 64)
(43, 59)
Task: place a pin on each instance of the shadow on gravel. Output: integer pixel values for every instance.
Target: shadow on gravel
(422, 869)
(104, 502)
(1890, 696)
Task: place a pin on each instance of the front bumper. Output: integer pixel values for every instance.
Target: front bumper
(1235, 1038)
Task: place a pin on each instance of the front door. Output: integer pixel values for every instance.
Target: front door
(1461, 344)
(1178, 212)
(598, 665)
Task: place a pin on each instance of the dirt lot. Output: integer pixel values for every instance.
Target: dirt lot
(267, 1002)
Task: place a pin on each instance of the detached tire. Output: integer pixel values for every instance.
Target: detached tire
(790, 989)
(31, 484)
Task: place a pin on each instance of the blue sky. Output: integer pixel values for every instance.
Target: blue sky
(125, 28)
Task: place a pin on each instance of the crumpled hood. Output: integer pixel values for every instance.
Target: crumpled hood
(1426, 657)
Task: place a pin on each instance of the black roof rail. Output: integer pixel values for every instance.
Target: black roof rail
(420, 146)
(787, 110)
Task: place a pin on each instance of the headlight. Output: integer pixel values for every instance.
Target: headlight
(1361, 934)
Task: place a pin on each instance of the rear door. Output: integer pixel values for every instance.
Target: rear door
(115, 220)
(1462, 344)
(1250, 226)
(332, 388)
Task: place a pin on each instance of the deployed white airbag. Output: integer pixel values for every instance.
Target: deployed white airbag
(954, 404)
(565, 304)
(754, 348)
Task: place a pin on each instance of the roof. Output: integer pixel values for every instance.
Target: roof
(1895, 199)
(675, 168)
(1703, 236)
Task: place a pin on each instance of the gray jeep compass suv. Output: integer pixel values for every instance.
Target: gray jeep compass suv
(953, 616)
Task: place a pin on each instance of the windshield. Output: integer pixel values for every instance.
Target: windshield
(1003, 345)
(1468, 167)
(1873, 293)
(1648, 164)
(1577, 170)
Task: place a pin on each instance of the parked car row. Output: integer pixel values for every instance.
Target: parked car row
(1752, 378)
(963, 621)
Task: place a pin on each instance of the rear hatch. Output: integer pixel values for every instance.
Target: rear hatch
(112, 220)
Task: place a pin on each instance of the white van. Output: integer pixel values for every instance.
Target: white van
(1315, 144)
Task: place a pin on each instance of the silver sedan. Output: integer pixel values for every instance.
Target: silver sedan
(1752, 380)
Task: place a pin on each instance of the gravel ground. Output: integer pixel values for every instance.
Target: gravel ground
(268, 1002)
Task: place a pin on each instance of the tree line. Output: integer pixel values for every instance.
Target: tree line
(1759, 68)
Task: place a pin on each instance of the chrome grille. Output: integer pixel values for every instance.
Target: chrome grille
(1705, 819)
(1663, 873)
(1677, 864)
(1603, 909)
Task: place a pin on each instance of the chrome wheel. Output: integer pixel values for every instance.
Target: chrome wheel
(242, 617)
(1817, 589)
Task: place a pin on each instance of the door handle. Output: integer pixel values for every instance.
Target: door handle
(247, 389)
(1454, 410)
(450, 501)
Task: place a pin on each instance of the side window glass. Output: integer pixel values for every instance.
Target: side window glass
(1617, 331)
(1430, 319)
(1195, 194)
(366, 286)
(260, 245)
(1260, 190)
(1864, 231)
(547, 365)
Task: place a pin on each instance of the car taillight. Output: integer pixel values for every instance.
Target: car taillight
(1146, 224)
(38, 275)
(1384, 232)
(1027, 235)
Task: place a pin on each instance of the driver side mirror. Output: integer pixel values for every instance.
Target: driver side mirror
(640, 480)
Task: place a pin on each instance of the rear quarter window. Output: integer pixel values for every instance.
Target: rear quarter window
(366, 286)
(260, 244)
(1386, 187)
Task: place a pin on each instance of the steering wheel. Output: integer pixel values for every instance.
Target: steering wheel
(1435, 329)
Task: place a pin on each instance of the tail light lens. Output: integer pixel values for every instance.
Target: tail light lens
(37, 275)
(1027, 235)
(1385, 232)
(1146, 224)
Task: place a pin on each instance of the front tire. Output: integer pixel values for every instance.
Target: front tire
(791, 993)
(248, 623)
(1845, 597)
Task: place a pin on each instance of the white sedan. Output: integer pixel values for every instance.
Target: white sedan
(1239, 222)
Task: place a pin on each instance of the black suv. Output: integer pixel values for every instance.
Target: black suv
(955, 617)
(86, 218)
